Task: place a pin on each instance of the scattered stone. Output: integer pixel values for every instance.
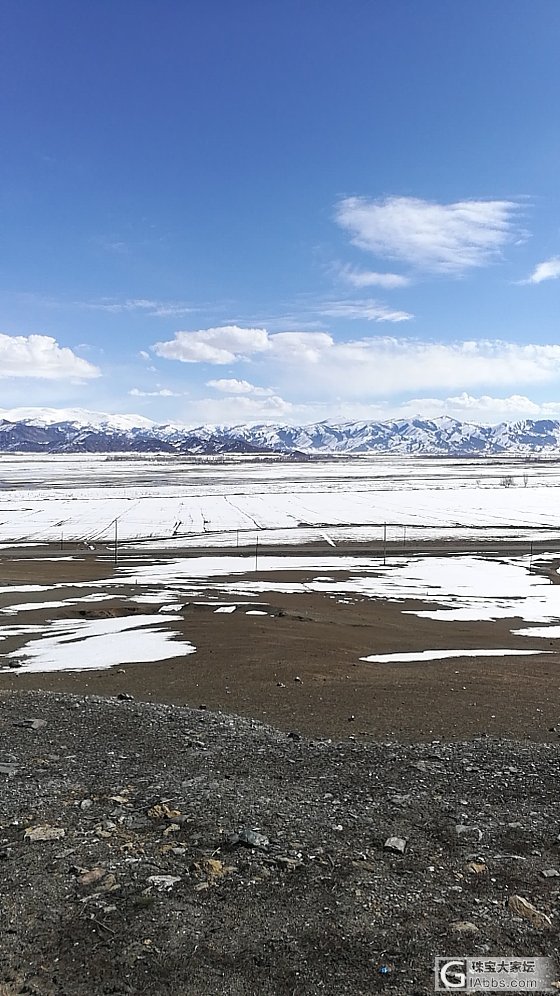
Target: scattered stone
(162, 812)
(45, 832)
(469, 833)
(125, 697)
(550, 873)
(523, 908)
(31, 724)
(247, 838)
(298, 679)
(395, 844)
(464, 927)
(476, 868)
(86, 804)
(164, 882)
(211, 867)
(92, 876)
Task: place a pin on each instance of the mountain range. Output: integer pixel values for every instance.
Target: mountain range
(30, 430)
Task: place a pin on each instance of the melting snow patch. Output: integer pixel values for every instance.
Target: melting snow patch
(544, 632)
(437, 655)
(80, 644)
(226, 608)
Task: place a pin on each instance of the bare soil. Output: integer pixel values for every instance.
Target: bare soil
(151, 879)
(143, 886)
(250, 665)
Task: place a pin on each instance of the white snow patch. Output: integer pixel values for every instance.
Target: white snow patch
(437, 655)
(81, 644)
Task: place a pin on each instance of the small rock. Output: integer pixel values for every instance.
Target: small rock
(550, 873)
(46, 832)
(523, 908)
(92, 876)
(476, 868)
(31, 724)
(86, 804)
(470, 833)
(125, 697)
(164, 882)
(8, 769)
(464, 927)
(395, 844)
(162, 812)
(247, 838)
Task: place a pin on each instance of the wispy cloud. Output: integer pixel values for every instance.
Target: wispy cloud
(369, 278)
(369, 309)
(40, 356)
(164, 392)
(155, 309)
(441, 238)
(547, 270)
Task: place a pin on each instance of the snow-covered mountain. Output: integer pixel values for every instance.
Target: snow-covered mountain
(36, 430)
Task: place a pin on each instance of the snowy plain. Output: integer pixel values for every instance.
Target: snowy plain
(174, 503)
(230, 503)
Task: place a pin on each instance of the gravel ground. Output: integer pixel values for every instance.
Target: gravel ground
(207, 854)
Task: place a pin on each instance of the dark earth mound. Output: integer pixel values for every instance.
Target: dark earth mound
(281, 878)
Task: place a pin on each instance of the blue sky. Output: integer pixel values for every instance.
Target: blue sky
(225, 212)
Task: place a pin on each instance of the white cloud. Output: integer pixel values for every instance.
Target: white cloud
(387, 366)
(41, 356)
(369, 278)
(548, 270)
(215, 345)
(233, 386)
(464, 407)
(314, 365)
(485, 409)
(442, 238)
(163, 393)
(240, 408)
(372, 311)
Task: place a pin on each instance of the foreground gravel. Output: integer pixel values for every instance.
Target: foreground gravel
(155, 849)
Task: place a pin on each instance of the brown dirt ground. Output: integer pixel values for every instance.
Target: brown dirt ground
(248, 665)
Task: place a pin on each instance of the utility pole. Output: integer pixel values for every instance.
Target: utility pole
(116, 542)
(384, 542)
(257, 554)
